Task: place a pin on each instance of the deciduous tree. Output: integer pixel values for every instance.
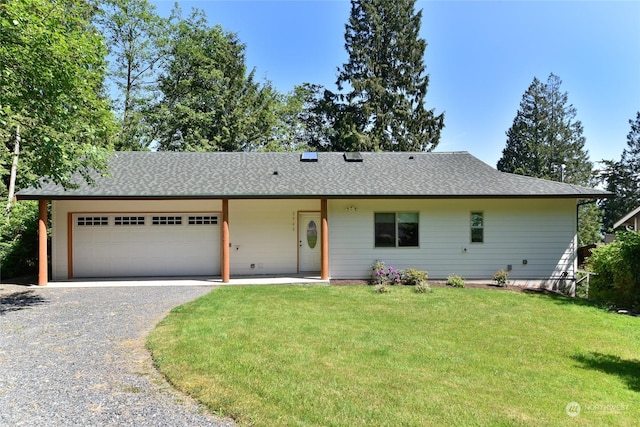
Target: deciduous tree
(135, 36)
(209, 102)
(51, 90)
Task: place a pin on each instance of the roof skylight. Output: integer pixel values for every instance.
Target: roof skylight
(309, 156)
(353, 157)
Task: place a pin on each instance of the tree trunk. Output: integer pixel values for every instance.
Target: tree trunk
(14, 169)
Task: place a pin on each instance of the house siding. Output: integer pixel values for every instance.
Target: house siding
(265, 233)
(540, 231)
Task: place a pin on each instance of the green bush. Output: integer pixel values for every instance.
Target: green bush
(617, 268)
(455, 281)
(501, 278)
(413, 277)
(380, 288)
(422, 288)
(19, 240)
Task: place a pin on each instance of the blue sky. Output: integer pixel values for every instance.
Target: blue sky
(481, 57)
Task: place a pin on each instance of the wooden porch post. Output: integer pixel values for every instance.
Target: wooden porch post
(225, 241)
(324, 244)
(43, 275)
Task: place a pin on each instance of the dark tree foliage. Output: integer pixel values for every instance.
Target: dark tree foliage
(546, 135)
(329, 125)
(623, 178)
(617, 268)
(546, 141)
(208, 100)
(19, 241)
(383, 108)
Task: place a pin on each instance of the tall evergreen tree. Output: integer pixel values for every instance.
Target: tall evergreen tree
(545, 135)
(546, 141)
(384, 106)
(623, 178)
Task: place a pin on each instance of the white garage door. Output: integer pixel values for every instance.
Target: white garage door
(124, 245)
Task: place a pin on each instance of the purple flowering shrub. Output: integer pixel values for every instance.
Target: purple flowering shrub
(383, 275)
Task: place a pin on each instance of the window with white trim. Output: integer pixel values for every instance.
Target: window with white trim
(477, 227)
(128, 220)
(84, 221)
(166, 220)
(396, 229)
(203, 219)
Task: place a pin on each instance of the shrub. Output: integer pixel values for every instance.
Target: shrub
(380, 274)
(414, 277)
(501, 278)
(19, 240)
(422, 288)
(617, 268)
(455, 281)
(380, 288)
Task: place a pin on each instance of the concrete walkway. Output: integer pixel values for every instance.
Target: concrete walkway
(188, 281)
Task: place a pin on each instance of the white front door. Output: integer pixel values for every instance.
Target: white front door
(309, 242)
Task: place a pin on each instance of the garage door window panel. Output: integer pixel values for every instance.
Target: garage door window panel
(166, 220)
(129, 220)
(92, 221)
(203, 220)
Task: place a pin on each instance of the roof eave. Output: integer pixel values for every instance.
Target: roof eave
(627, 217)
(311, 196)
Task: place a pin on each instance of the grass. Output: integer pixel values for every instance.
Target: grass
(346, 356)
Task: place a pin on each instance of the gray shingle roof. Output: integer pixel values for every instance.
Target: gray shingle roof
(253, 175)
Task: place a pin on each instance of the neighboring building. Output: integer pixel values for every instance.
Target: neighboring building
(631, 221)
(327, 214)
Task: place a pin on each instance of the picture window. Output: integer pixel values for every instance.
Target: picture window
(396, 229)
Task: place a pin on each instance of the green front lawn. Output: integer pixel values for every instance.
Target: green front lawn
(345, 356)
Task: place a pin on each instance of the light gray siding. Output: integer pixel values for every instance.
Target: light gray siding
(540, 232)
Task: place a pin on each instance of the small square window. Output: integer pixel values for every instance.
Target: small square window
(477, 227)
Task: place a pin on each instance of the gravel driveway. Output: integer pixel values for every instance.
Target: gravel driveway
(76, 357)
